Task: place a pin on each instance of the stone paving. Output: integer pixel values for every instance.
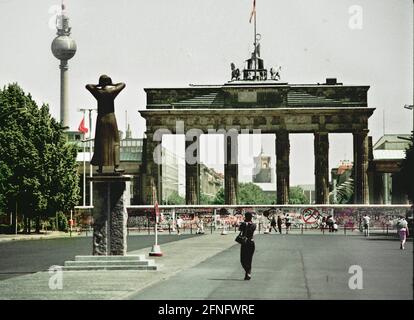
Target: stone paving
(294, 266)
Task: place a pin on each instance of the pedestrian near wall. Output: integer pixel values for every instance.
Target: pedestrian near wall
(179, 224)
(288, 223)
(402, 228)
(323, 224)
(365, 223)
(279, 224)
(330, 222)
(273, 224)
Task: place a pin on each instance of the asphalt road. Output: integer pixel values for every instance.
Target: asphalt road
(29, 256)
(297, 267)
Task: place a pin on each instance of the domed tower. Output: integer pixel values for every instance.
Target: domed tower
(63, 48)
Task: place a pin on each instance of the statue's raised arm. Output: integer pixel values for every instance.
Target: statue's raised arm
(116, 88)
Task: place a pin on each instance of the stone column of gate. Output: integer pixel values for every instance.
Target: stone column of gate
(152, 168)
(282, 166)
(231, 167)
(192, 171)
(321, 150)
(378, 188)
(361, 189)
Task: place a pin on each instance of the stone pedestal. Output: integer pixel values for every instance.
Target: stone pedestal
(109, 215)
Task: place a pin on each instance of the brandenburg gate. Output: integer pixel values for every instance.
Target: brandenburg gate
(254, 101)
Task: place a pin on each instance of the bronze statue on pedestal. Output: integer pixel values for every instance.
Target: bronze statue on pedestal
(107, 142)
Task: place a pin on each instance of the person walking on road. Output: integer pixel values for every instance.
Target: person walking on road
(402, 227)
(288, 222)
(279, 224)
(330, 222)
(273, 224)
(200, 226)
(323, 224)
(247, 229)
(179, 224)
(365, 223)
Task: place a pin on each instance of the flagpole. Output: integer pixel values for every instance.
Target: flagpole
(255, 44)
(156, 250)
(84, 165)
(89, 141)
(156, 219)
(90, 159)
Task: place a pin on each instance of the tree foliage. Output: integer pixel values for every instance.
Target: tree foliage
(38, 170)
(219, 198)
(175, 199)
(297, 196)
(205, 199)
(249, 193)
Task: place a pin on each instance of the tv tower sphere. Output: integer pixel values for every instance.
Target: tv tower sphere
(63, 48)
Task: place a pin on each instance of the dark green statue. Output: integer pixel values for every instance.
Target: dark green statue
(106, 149)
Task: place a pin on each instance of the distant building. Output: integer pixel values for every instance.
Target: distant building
(75, 138)
(387, 155)
(170, 174)
(210, 181)
(342, 183)
(262, 172)
(385, 158)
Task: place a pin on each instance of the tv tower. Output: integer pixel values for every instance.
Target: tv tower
(63, 48)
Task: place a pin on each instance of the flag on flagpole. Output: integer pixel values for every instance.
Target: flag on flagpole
(82, 127)
(253, 11)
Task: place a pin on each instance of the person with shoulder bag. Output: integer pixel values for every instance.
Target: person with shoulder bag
(245, 238)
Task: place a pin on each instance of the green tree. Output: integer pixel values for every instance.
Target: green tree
(62, 222)
(297, 196)
(219, 198)
(38, 174)
(205, 199)
(249, 193)
(407, 171)
(175, 199)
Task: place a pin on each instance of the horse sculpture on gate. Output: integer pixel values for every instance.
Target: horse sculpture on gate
(235, 72)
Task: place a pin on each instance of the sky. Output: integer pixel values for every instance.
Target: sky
(170, 43)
